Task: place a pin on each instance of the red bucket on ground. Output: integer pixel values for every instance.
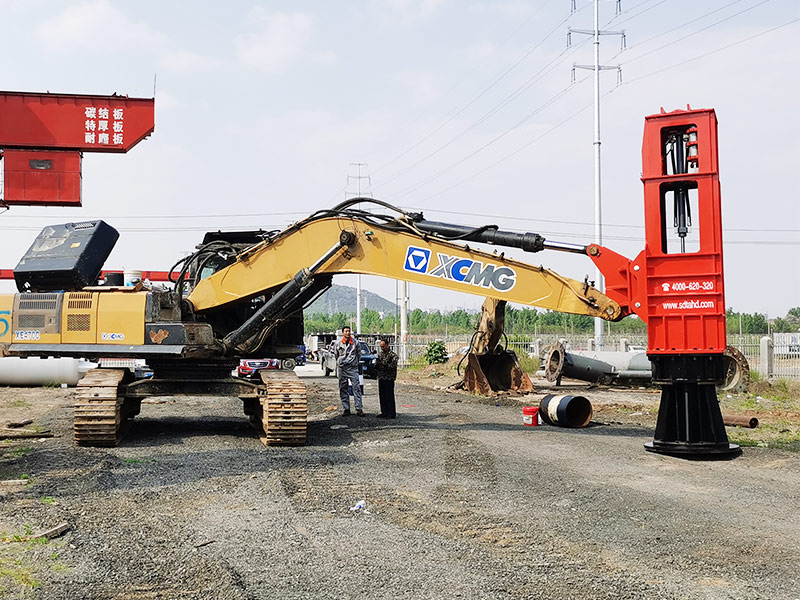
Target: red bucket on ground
(530, 416)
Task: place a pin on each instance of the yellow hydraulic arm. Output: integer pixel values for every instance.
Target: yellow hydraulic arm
(399, 249)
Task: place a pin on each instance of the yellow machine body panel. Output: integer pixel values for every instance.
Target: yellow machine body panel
(120, 318)
(392, 253)
(79, 318)
(6, 306)
(73, 318)
(36, 318)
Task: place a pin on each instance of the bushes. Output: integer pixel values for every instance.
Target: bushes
(436, 353)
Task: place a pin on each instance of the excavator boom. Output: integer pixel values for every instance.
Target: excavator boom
(400, 250)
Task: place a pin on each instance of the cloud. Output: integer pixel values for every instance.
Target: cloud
(421, 87)
(166, 101)
(513, 9)
(95, 24)
(280, 40)
(187, 61)
(413, 9)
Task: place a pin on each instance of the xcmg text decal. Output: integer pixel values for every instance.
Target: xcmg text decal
(457, 268)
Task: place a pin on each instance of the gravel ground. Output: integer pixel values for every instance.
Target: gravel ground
(461, 502)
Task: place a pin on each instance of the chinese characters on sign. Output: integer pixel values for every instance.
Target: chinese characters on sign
(103, 126)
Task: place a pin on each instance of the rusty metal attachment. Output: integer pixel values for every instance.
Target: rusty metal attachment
(490, 367)
(737, 371)
(740, 421)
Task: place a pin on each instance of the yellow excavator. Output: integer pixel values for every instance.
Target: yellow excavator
(242, 294)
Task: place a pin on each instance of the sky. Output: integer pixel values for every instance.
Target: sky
(465, 109)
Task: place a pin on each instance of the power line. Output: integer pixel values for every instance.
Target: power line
(510, 155)
(621, 86)
(305, 213)
(631, 17)
(454, 86)
(687, 36)
(699, 56)
(503, 103)
(564, 222)
(682, 25)
(566, 90)
(497, 80)
(208, 216)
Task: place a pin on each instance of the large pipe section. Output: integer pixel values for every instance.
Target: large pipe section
(40, 371)
(607, 367)
(566, 411)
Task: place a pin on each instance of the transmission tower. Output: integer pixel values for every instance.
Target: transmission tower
(596, 32)
(358, 178)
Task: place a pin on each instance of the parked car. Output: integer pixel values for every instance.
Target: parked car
(250, 367)
(327, 360)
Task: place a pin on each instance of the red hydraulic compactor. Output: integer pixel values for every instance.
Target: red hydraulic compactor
(676, 283)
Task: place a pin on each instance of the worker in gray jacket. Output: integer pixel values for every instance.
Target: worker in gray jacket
(348, 361)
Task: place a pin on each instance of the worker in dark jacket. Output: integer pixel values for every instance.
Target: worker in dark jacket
(386, 366)
(348, 362)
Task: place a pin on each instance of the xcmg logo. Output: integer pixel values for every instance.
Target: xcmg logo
(456, 268)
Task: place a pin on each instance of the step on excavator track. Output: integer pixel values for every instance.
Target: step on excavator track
(99, 412)
(282, 409)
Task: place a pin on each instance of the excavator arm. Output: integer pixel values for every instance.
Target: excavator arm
(400, 248)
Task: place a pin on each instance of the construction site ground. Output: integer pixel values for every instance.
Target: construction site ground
(460, 501)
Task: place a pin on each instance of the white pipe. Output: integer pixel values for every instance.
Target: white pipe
(40, 371)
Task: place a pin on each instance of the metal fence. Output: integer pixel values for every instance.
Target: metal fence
(769, 359)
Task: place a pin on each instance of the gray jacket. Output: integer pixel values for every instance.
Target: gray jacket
(347, 355)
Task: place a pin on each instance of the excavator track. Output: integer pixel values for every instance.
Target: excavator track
(98, 416)
(283, 409)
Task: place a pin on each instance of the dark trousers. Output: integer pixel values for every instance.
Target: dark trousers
(386, 397)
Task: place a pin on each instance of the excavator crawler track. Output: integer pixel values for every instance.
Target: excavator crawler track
(283, 409)
(99, 408)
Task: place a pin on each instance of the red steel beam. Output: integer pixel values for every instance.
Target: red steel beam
(151, 275)
(74, 121)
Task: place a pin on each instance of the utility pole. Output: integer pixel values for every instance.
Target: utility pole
(404, 301)
(358, 177)
(596, 32)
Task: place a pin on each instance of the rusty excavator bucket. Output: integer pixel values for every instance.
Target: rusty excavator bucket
(490, 367)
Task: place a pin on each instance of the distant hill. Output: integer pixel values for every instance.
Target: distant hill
(342, 298)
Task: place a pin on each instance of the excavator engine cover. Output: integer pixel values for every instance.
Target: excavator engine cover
(66, 257)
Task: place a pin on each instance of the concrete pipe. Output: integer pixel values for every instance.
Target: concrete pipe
(566, 411)
(40, 371)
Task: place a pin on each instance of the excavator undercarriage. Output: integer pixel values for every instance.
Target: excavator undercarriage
(107, 400)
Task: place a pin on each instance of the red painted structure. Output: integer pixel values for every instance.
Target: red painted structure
(676, 283)
(151, 275)
(679, 294)
(43, 136)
